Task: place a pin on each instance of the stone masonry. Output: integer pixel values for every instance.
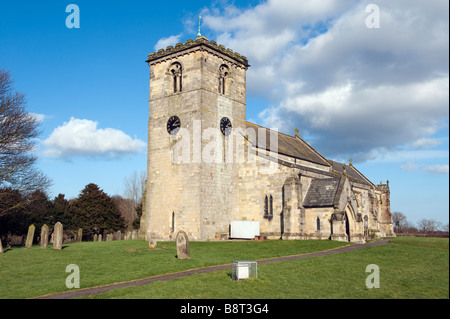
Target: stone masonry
(201, 176)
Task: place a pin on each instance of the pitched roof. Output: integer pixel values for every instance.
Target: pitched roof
(353, 174)
(321, 192)
(288, 145)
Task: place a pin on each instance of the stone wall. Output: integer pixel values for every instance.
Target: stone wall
(199, 180)
(189, 184)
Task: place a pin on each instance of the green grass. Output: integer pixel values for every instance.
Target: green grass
(33, 272)
(411, 268)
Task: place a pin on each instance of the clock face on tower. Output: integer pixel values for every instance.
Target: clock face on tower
(173, 125)
(225, 126)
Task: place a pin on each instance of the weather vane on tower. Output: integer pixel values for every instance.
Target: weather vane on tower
(199, 18)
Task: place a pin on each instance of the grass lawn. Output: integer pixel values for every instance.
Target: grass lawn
(34, 271)
(411, 268)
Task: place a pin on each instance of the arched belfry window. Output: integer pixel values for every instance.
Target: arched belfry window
(176, 71)
(224, 71)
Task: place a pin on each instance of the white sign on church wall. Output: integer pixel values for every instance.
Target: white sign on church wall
(244, 229)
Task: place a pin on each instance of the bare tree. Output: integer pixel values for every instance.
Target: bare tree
(125, 207)
(429, 225)
(400, 221)
(134, 190)
(18, 133)
(135, 187)
(445, 228)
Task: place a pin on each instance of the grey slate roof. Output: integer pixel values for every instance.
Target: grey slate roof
(289, 145)
(353, 174)
(321, 192)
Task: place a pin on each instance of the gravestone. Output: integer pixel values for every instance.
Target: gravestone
(30, 236)
(44, 236)
(95, 237)
(100, 237)
(1, 246)
(134, 234)
(182, 240)
(118, 235)
(58, 233)
(80, 235)
(109, 237)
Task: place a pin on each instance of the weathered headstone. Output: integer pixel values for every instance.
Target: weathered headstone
(109, 237)
(30, 236)
(1, 246)
(128, 235)
(58, 232)
(134, 234)
(182, 240)
(118, 235)
(44, 236)
(80, 235)
(95, 237)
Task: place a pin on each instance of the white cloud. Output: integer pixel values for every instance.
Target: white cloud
(434, 169)
(81, 137)
(356, 90)
(350, 118)
(39, 117)
(437, 169)
(410, 166)
(163, 43)
(385, 155)
(426, 143)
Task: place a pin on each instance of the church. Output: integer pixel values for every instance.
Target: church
(214, 175)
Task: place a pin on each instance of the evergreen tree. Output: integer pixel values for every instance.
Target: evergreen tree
(137, 220)
(18, 210)
(94, 211)
(59, 212)
(38, 208)
(12, 216)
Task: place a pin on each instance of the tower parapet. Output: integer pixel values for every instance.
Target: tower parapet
(190, 44)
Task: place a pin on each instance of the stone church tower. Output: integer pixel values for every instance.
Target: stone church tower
(197, 93)
(200, 182)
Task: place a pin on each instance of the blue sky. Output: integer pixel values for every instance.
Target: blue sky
(376, 95)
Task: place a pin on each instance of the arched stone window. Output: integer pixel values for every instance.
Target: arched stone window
(224, 71)
(176, 71)
(268, 207)
(318, 223)
(366, 227)
(173, 222)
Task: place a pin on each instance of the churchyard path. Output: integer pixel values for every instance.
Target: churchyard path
(84, 292)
